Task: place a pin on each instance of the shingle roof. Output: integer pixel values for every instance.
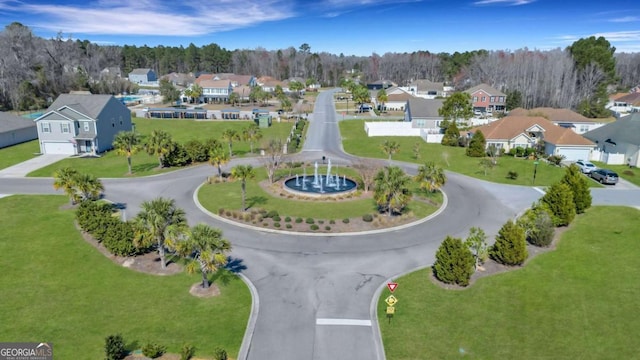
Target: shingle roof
(424, 85)
(10, 122)
(626, 129)
(140, 71)
(214, 83)
(553, 114)
(632, 98)
(399, 97)
(91, 105)
(425, 108)
(511, 126)
(488, 89)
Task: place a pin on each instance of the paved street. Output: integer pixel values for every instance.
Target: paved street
(315, 292)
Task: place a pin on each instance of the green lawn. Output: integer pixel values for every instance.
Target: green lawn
(577, 302)
(229, 196)
(356, 142)
(630, 174)
(56, 287)
(18, 153)
(112, 165)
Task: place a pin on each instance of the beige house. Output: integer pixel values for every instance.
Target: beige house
(562, 117)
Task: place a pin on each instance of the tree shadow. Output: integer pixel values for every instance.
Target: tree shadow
(119, 206)
(132, 346)
(144, 167)
(235, 265)
(256, 200)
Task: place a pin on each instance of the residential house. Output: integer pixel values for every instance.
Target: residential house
(618, 142)
(216, 90)
(243, 92)
(179, 79)
(111, 72)
(381, 84)
(530, 131)
(562, 117)
(427, 89)
(423, 113)
(486, 99)
(236, 80)
(627, 103)
(82, 123)
(396, 101)
(16, 129)
(143, 77)
(270, 85)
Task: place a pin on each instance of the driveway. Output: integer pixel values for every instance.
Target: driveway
(25, 167)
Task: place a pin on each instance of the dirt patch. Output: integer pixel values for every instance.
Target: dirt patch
(198, 291)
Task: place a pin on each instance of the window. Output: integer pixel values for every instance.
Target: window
(493, 99)
(501, 99)
(475, 99)
(421, 123)
(64, 128)
(584, 128)
(484, 98)
(46, 127)
(86, 125)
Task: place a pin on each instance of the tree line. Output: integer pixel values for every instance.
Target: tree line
(33, 70)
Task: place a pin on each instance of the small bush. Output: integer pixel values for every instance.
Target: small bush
(345, 220)
(314, 227)
(265, 224)
(276, 224)
(276, 218)
(629, 173)
(309, 221)
(114, 347)
(272, 214)
(187, 352)
(454, 262)
(320, 221)
(332, 221)
(298, 220)
(288, 226)
(510, 247)
(327, 227)
(287, 219)
(513, 175)
(153, 350)
(220, 354)
(227, 213)
(221, 211)
(367, 218)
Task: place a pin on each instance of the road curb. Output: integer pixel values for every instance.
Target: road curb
(245, 347)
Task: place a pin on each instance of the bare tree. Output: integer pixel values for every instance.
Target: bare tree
(367, 169)
(272, 159)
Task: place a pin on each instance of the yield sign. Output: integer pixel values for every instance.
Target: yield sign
(392, 286)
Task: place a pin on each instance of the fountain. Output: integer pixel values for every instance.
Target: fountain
(320, 185)
(328, 177)
(315, 176)
(297, 182)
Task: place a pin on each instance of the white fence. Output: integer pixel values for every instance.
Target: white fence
(390, 128)
(607, 158)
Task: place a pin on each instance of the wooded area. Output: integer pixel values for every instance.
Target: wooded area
(33, 70)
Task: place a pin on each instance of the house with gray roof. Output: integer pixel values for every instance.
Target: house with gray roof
(82, 124)
(427, 89)
(423, 113)
(15, 130)
(618, 142)
(143, 77)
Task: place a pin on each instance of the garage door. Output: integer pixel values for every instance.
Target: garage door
(59, 148)
(574, 154)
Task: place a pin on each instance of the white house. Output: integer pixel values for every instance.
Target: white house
(618, 142)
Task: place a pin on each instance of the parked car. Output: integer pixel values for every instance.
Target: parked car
(604, 176)
(585, 166)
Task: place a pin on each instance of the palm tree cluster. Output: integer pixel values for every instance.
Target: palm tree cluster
(78, 186)
(430, 177)
(391, 191)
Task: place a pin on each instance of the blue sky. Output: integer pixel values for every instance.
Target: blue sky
(351, 27)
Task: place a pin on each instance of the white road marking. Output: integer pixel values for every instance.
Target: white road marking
(348, 322)
(313, 150)
(539, 190)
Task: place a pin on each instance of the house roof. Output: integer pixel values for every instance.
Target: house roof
(215, 84)
(616, 96)
(632, 98)
(423, 108)
(242, 90)
(10, 122)
(204, 77)
(399, 97)
(425, 85)
(140, 71)
(237, 79)
(553, 114)
(486, 88)
(88, 104)
(511, 126)
(626, 129)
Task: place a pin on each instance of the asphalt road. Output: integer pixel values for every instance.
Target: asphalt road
(315, 293)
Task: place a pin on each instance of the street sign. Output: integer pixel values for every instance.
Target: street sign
(536, 163)
(392, 286)
(391, 300)
(391, 310)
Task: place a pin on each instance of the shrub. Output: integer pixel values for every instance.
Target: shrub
(629, 173)
(314, 227)
(271, 214)
(579, 188)
(345, 220)
(276, 224)
(556, 159)
(513, 175)
(367, 218)
(187, 352)
(476, 145)
(227, 213)
(543, 230)
(220, 354)
(221, 211)
(298, 220)
(276, 218)
(454, 262)
(327, 227)
(118, 239)
(288, 226)
(114, 347)
(177, 156)
(510, 247)
(153, 350)
(287, 219)
(320, 221)
(559, 200)
(309, 221)
(265, 224)
(332, 221)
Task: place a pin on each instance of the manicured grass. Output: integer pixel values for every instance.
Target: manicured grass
(18, 153)
(229, 196)
(112, 165)
(56, 287)
(630, 174)
(356, 142)
(577, 302)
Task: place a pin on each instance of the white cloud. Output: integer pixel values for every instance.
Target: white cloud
(616, 36)
(625, 19)
(503, 2)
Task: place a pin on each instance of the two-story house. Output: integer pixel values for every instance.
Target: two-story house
(143, 76)
(485, 99)
(82, 123)
(216, 90)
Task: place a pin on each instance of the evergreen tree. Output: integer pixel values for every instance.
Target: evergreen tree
(538, 225)
(454, 262)
(477, 145)
(451, 135)
(559, 201)
(579, 188)
(510, 247)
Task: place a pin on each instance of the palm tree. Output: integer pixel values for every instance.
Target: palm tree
(158, 221)
(234, 98)
(391, 191)
(430, 177)
(382, 98)
(252, 134)
(229, 135)
(243, 172)
(159, 144)
(127, 143)
(205, 248)
(88, 187)
(65, 179)
(218, 157)
(390, 148)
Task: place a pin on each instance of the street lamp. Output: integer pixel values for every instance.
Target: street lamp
(535, 170)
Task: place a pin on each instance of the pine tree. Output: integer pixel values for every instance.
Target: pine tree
(454, 262)
(477, 145)
(510, 247)
(451, 135)
(559, 201)
(579, 188)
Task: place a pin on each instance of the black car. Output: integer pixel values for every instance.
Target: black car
(604, 176)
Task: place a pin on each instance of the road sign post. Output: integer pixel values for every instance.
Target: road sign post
(390, 311)
(392, 286)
